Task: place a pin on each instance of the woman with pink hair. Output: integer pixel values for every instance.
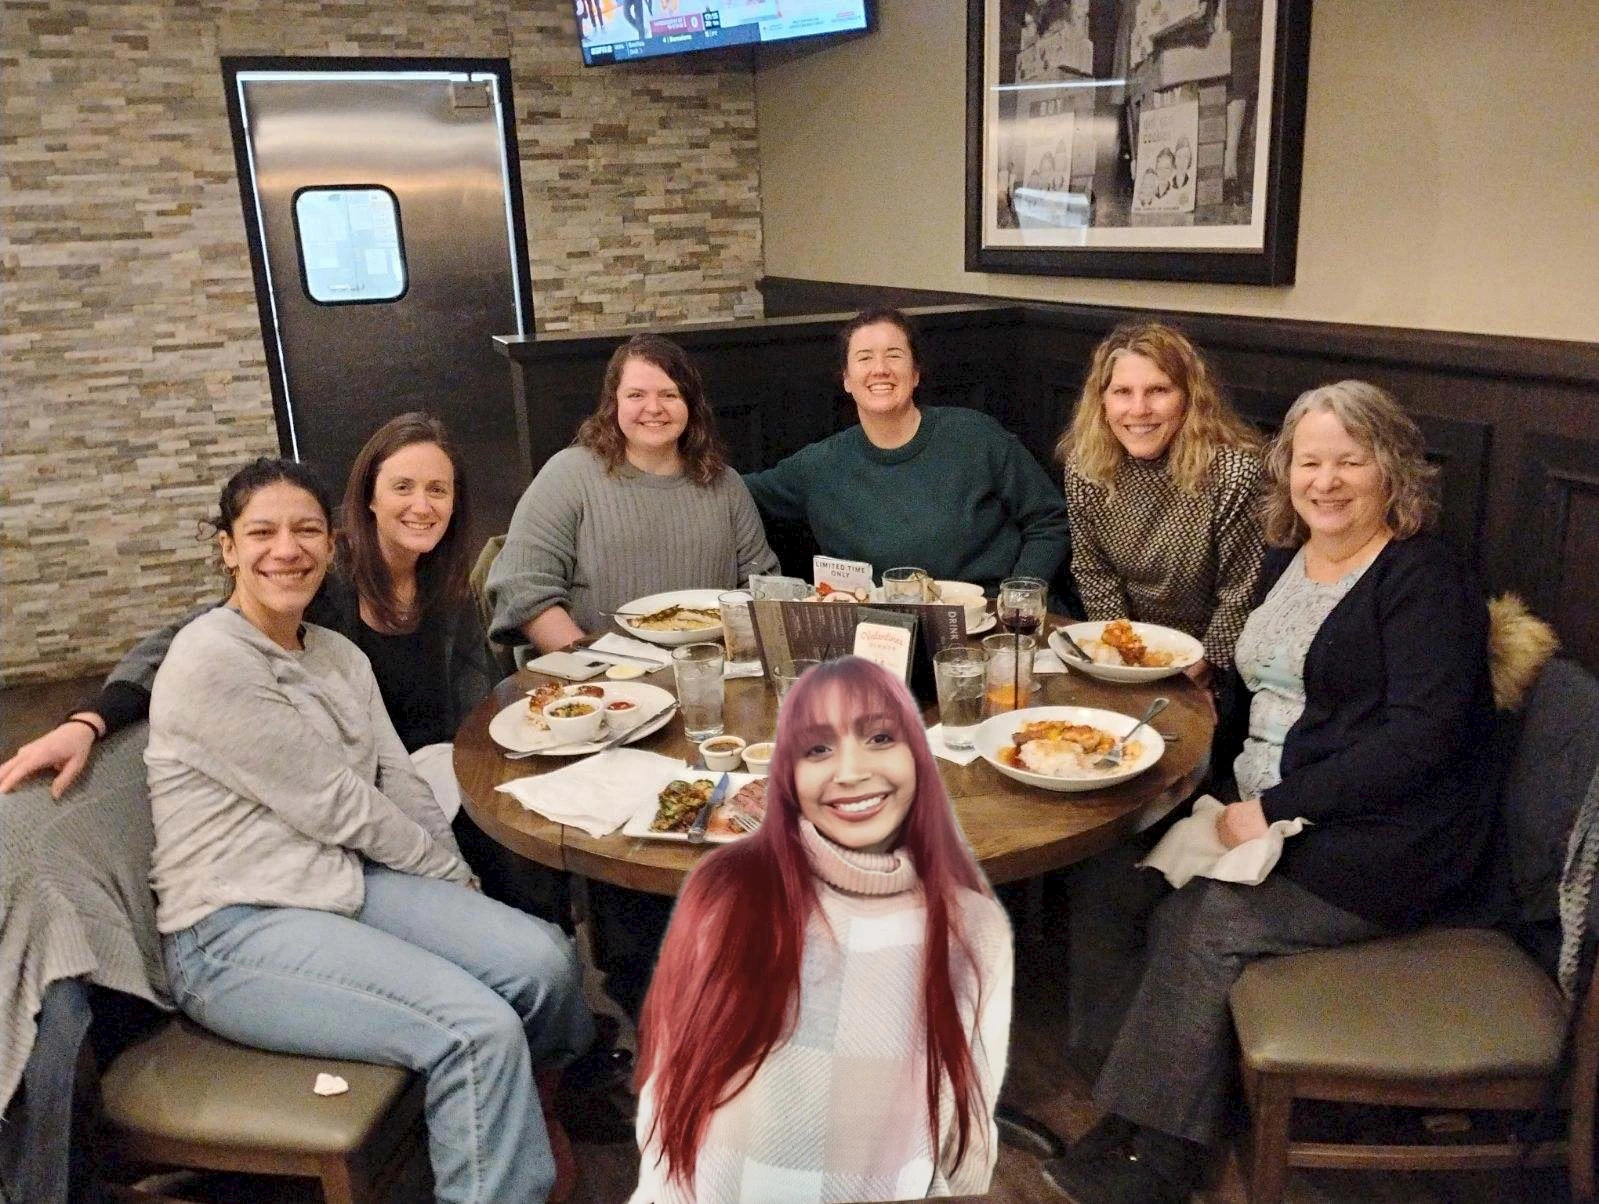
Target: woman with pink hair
(831, 1011)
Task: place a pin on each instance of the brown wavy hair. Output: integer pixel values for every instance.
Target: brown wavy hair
(441, 575)
(699, 446)
(1090, 448)
(1373, 419)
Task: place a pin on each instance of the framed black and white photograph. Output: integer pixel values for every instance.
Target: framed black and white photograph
(1144, 139)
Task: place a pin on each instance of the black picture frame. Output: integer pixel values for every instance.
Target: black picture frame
(1099, 215)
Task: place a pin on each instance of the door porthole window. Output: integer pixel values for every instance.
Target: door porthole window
(351, 251)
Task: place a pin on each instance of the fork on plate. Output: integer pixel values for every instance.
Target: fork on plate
(742, 821)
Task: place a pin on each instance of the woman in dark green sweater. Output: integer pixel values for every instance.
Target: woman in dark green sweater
(946, 489)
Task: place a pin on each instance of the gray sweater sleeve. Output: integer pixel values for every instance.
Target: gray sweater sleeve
(535, 569)
(221, 710)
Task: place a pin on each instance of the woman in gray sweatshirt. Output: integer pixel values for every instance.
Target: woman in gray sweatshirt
(309, 892)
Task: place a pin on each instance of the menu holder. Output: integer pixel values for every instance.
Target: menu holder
(790, 631)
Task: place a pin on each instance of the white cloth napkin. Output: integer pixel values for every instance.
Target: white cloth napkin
(1193, 850)
(598, 794)
(935, 742)
(638, 650)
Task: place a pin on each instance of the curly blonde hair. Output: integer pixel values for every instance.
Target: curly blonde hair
(1090, 448)
(1374, 420)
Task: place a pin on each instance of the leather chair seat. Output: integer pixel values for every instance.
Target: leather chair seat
(186, 1084)
(1475, 1006)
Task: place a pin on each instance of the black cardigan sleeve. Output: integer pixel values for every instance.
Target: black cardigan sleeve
(1429, 648)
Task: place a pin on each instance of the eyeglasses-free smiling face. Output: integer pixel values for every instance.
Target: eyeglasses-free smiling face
(649, 408)
(879, 370)
(855, 777)
(1335, 482)
(278, 551)
(412, 500)
(1143, 407)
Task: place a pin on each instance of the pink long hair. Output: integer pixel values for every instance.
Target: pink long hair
(726, 989)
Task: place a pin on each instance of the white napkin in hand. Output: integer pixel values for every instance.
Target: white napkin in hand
(935, 743)
(598, 794)
(1192, 849)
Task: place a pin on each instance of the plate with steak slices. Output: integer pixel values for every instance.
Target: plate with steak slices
(671, 813)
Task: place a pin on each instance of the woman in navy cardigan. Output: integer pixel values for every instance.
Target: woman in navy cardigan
(1367, 669)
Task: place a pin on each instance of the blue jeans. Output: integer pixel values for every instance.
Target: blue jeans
(428, 975)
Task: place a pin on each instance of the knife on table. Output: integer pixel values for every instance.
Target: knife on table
(696, 832)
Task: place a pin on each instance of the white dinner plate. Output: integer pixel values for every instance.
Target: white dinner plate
(995, 733)
(512, 729)
(698, 599)
(639, 825)
(1186, 648)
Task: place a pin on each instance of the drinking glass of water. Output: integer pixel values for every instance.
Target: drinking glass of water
(698, 671)
(959, 674)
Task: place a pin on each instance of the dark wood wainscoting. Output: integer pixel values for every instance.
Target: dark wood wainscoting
(1513, 424)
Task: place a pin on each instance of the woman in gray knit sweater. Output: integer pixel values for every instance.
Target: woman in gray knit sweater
(643, 502)
(310, 895)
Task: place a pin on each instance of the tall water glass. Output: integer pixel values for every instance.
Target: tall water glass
(698, 671)
(784, 676)
(738, 631)
(960, 674)
(1010, 671)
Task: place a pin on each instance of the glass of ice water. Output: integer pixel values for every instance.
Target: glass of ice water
(959, 674)
(698, 671)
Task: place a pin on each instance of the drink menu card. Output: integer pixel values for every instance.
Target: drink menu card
(790, 631)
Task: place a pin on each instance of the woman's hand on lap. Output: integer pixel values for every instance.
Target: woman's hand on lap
(65, 749)
(1241, 822)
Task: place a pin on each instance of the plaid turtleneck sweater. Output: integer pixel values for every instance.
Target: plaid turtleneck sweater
(838, 1111)
(1155, 554)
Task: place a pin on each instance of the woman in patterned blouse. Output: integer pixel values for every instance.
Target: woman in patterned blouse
(1162, 486)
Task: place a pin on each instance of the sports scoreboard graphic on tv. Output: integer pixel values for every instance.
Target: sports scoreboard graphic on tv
(617, 30)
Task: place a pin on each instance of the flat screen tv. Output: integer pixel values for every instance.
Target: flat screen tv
(615, 31)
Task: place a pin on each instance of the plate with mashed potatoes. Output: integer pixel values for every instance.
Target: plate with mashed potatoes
(1126, 651)
(1055, 747)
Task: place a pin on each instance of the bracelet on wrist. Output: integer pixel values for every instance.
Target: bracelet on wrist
(88, 723)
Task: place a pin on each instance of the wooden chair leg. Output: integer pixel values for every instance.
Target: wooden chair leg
(1271, 1100)
(339, 1186)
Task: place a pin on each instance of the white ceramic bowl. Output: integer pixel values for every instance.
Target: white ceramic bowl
(968, 595)
(995, 733)
(1186, 649)
(698, 599)
(575, 729)
(721, 753)
(758, 757)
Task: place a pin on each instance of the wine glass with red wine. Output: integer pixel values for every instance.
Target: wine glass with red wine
(1020, 611)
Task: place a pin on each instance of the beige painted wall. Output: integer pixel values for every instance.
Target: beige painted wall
(1451, 171)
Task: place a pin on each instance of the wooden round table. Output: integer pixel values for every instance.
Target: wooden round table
(1016, 831)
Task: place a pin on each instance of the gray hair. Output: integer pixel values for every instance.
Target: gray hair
(1374, 419)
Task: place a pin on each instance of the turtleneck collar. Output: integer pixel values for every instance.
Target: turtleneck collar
(854, 872)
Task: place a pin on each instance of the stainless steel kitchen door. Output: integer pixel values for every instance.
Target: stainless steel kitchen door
(386, 231)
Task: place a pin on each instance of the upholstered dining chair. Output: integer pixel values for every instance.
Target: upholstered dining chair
(1444, 1018)
(74, 889)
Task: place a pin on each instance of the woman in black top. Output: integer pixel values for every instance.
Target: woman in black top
(398, 589)
(1366, 665)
